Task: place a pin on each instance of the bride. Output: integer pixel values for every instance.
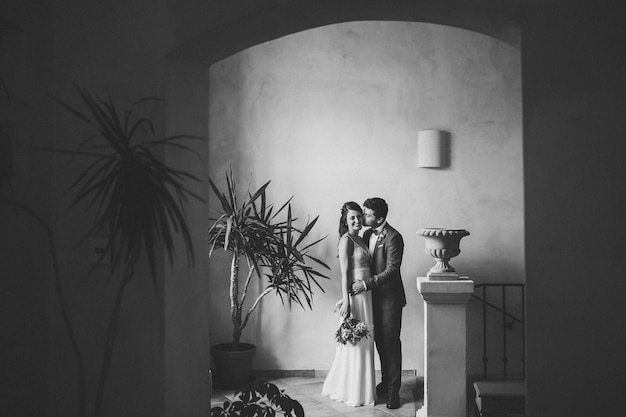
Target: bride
(351, 378)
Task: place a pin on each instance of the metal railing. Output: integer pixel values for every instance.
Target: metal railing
(498, 304)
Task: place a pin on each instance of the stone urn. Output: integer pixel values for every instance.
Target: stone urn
(443, 245)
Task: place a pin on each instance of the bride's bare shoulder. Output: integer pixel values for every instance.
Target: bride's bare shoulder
(345, 240)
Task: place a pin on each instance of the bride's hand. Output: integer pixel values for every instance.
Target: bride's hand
(344, 311)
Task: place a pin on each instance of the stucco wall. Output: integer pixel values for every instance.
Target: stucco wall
(331, 115)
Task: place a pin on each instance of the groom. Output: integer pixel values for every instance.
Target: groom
(386, 247)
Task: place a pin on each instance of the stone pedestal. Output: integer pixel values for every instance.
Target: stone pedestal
(444, 345)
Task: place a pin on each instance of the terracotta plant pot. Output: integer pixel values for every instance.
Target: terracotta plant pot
(442, 244)
(233, 368)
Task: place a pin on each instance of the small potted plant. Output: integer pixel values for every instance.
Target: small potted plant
(259, 399)
(273, 249)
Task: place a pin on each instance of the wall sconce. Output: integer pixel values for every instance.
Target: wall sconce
(432, 149)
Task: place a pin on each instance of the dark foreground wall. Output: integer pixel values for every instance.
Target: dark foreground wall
(573, 83)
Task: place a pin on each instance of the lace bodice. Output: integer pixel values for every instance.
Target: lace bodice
(360, 257)
(360, 260)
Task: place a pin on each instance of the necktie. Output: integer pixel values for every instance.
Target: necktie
(373, 241)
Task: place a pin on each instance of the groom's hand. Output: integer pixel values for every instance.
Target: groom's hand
(357, 287)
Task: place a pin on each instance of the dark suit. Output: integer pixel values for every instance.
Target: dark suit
(388, 299)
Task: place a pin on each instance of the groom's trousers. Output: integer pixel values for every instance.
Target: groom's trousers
(387, 325)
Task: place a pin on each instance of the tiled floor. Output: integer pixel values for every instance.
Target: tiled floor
(308, 392)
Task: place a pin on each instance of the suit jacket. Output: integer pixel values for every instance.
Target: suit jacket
(386, 281)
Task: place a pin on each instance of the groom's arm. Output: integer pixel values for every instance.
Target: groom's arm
(395, 250)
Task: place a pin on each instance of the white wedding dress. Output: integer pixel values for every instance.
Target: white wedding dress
(352, 378)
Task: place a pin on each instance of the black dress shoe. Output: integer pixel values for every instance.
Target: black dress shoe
(381, 389)
(393, 402)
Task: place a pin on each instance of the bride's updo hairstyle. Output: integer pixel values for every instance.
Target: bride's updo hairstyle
(350, 205)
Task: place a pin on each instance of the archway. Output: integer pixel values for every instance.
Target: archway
(187, 90)
(224, 38)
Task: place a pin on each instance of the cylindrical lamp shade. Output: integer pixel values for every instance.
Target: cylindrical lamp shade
(432, 149)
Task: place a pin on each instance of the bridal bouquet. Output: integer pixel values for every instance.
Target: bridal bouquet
(351, 331)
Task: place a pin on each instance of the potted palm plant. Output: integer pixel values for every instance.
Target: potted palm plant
(274, 249)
